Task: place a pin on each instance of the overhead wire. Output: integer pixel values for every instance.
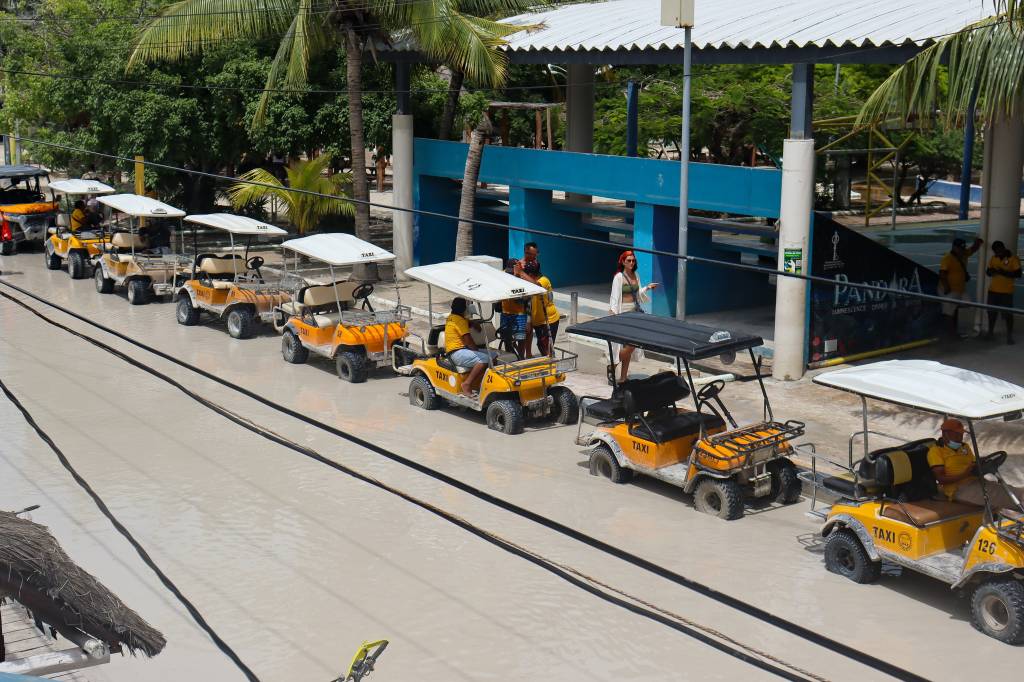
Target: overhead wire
(861, 286)
(194, 612)
(489, 498)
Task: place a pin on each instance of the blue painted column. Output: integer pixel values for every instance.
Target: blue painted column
(802, 102)
(655, 227)
(434, 237)
(965, 169)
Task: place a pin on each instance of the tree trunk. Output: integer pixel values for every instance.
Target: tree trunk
(451, 105)
(464, 237)
(360, 186)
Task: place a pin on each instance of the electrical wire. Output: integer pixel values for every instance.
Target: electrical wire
(932, 298)
(746, 608)
(127, 535)
(703, 634)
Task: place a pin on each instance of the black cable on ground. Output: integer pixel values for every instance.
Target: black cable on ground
(143, 554)
(617, 552)
(571, 576)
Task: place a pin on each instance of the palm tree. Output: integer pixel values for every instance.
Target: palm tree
(449, 31)
(985, 69)
(467, 201)
(304, 210)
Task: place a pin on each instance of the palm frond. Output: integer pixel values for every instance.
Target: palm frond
(188, 27)
(985, 60)
(305, 211)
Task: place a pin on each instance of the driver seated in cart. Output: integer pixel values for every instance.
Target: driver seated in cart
(952, 464)
(78, 217)
(462, 350)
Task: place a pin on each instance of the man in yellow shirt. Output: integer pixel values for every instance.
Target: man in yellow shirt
(462, 349)
(953, 278)
(953, 465)
(78, 216)
(1004, 269)
(545, 317)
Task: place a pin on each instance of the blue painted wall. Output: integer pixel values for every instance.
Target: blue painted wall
(653, 186)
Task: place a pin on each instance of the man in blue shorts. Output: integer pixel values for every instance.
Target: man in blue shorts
(462, 349)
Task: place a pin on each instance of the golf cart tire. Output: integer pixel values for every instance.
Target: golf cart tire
(786, 487)
(138, 292)
(52, 260)
(241, 324)
(505, 416)
(104, 285)
(76, 265)
(721, 497)
(565, 407)
(7, 248)
(1007, 595)
(846, 556)
(292, 349)
(422, 394)
(351, 367)
(186, 313)
(603, 463)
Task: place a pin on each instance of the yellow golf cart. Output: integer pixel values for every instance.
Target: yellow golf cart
(138, 255)
(228, 285)
(511, 389)
(887, 507)
(336, 319)
(77, 248)
(641, 429)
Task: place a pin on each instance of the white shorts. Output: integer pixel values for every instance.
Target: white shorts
(949, 308)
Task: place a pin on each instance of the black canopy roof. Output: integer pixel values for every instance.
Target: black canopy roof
(22, 170)
(665, 335)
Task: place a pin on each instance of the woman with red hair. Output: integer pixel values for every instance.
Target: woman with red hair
(627, 295)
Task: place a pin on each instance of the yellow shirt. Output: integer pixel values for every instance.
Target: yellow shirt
(1001, 284)
(454, 328)
(513, 306)
(543, 310)
(956, 462)
(956, 276)
(77, 219)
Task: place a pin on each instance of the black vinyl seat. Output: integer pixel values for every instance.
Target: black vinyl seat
(679, 425)
(607, 410)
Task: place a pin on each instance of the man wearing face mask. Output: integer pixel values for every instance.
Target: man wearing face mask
(952, 463)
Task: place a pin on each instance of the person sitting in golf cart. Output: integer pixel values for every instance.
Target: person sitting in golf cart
(78, 217)
(953, 465)
(461, 349)
(158, 236)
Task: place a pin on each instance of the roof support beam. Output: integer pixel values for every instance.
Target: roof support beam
(802, 102)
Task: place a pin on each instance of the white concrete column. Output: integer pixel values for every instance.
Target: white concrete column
(1006, 139)
(579, 116)
(794, 239)
(401, 169)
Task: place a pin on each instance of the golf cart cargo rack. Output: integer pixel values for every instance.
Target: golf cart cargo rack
(367, 318)
(744, 442)
(1010, 525)
(538, 368)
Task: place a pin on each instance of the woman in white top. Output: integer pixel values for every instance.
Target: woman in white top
(627, 295)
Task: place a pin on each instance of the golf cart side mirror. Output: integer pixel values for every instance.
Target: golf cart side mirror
(52, 230)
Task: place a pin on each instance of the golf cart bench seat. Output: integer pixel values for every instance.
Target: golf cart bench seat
(127, 241)
(321, 301)
(660, 387)
(435, 339)
(678, 425)
(220, 266)
(923, 512)
(900, 473)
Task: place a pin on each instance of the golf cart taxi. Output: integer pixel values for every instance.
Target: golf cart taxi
(77, 248)
(228, 285)
(129, 259)
(640, 429)
(25, 214)
(511, 389)
(336, 320)
(887, 506)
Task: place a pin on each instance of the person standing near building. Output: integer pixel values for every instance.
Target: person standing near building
(953, 279)
(545, 316)
(1004, 269)
(627, 294)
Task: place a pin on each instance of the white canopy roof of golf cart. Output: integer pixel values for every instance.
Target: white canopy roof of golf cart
(338, 248)
(78, 186)
(474, 281)
(235, 224)
(140, 206)
(931, 387)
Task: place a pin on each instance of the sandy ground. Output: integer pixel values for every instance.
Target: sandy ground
(295, 564)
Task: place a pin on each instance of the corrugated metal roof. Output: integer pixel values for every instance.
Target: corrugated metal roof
(721, 24)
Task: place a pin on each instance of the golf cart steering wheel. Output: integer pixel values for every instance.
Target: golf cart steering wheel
(709, 392)
(363, 291)
(990, 463)
(255, 263)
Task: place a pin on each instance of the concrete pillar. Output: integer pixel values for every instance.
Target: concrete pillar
(794, 239)
(402, 173)
(1007, 159)
(632, 117)
(579, 115)
(802, 102)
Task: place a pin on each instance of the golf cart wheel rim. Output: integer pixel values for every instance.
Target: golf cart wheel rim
(994, 613)
(417, 394)
(845, 560)
(714, 500)
(604, 467)
(233, 325)
(343, 370)
(499, 421)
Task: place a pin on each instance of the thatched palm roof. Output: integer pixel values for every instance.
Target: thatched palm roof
(36, 571)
